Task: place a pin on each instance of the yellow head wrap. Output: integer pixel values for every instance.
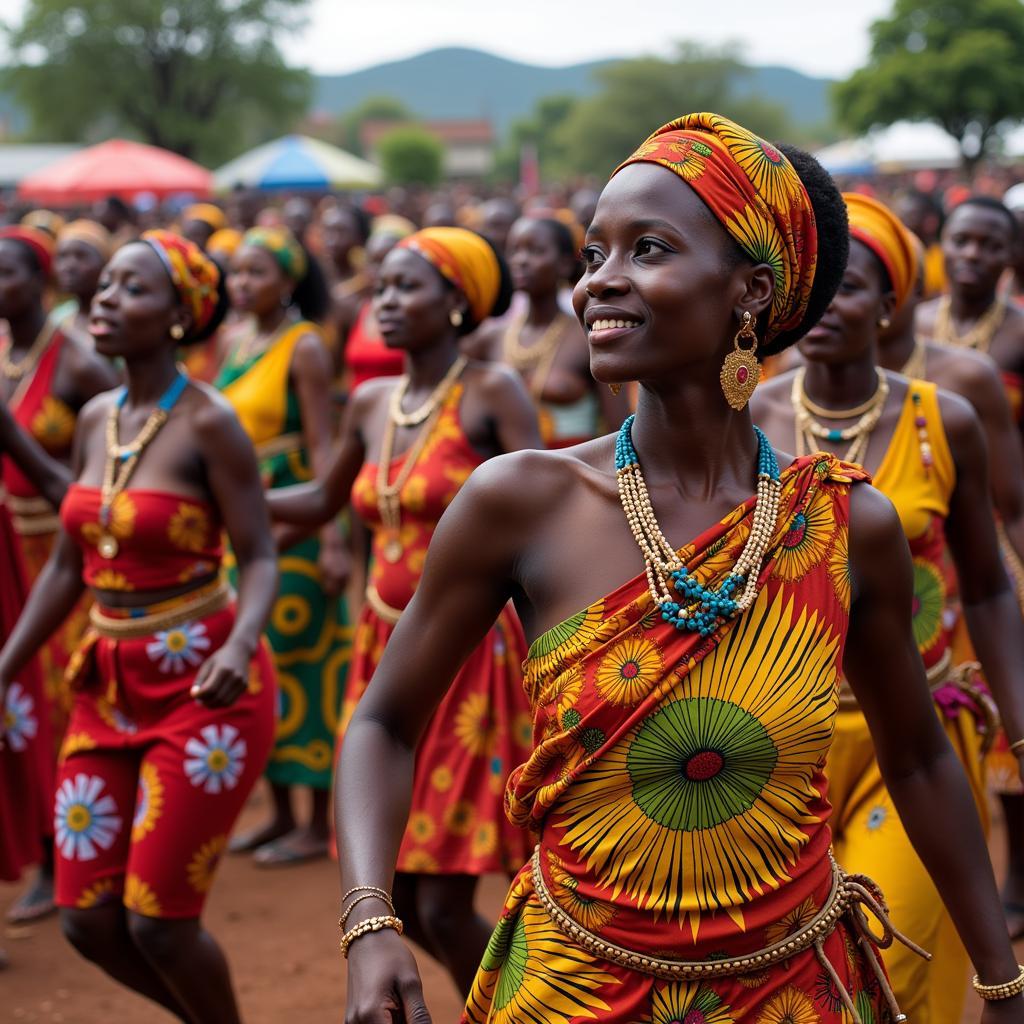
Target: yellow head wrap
(464, 259)
(92, 233)
(874, 224)
(207, 213)
(44, 220)
(224, 242)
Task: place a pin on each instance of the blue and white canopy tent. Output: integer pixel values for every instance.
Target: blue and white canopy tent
(297, 162)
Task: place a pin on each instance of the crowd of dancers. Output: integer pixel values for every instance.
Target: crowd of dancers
(722, 775)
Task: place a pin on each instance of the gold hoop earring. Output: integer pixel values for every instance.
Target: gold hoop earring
(741, 370)
(177, 332)
(455, 317)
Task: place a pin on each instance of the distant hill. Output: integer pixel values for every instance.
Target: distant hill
(464, 83)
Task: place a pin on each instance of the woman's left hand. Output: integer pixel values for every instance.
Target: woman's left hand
(334, 564)
(223, 677)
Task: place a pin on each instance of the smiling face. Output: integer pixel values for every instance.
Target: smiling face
(77, 267)
(849, 328)
(411, 302)
(135, 305)
(663, 286)
(977, 244)
(256, 283)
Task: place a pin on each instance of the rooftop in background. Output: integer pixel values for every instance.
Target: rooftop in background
(451, 133)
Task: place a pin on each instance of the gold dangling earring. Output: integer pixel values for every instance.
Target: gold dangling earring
(741, 370)
(615, 389)
(177, 332)
(455, 318)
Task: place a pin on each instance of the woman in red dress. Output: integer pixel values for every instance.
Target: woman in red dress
(406, 449)
(174, 695)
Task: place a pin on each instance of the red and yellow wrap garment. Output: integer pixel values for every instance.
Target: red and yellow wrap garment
(481, 730)
(678, 787)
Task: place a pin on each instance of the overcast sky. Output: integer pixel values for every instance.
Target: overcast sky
(814, 36)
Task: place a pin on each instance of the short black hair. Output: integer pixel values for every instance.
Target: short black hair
(311, 296)
(833, 228)
(988, 203)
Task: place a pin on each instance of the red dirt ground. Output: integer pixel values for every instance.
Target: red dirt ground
(279, 930)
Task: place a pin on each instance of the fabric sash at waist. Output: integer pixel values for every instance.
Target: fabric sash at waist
(133, 623)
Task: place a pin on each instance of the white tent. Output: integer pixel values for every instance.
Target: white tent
(903, 146)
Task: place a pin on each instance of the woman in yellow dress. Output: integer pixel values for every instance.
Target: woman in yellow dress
(681, 720)
(925, 451)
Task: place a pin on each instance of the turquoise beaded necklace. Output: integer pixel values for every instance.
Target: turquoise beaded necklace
(684, 602)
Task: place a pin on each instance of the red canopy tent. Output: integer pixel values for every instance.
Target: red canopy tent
(115, 168)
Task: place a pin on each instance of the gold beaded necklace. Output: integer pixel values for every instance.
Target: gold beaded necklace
(809, 431)
(979, 336)
(23, 370)
(121, 459)
(389, 494)
(537, 359)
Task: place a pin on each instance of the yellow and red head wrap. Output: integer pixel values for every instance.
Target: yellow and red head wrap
(283, 246)
(754, 193)
(465, 260)
(194, 275)
(211, 215)
(38, 241)
(874, 224)
(92, 233)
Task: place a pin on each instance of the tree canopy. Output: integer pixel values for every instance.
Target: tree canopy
(410, 155)
(957, 63)
(637, 96)
(200, 77)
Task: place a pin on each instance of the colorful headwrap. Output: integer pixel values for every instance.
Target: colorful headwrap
(464, 259)
(45, 220)
(224, 242)
(874, 224)
(282, 245)
(209, 214)
(92, 233)
(37, 240)
(755, 194)
(392, 224)
(194, 275)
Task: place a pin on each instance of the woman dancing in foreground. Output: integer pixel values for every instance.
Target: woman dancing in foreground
(682, 720)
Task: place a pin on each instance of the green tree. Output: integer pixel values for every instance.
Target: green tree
(187, 75)
(956, 63)
(542, 129)
(348, 127)
(638, 95)
(410, 155)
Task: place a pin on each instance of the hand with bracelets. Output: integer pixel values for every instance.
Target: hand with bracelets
(376, 954)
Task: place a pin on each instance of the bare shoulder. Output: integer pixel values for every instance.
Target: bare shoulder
(310, 354)
(968, 372)
(959, 419)
(875, 528)
(494, 380)
(84, 365)
(924, 315)
(210, 413)
(772, 394)
(485, 342)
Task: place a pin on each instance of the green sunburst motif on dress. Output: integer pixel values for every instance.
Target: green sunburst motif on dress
(506, 951)
(929, 601)
(699, 762)
(688, 1002)
(568, 638)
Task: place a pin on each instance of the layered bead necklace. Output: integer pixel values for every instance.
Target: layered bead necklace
(538, 359)
(684, 602)
(20, 372)
(389, 494)
(979, 336)
(809, 431)
(123, 458)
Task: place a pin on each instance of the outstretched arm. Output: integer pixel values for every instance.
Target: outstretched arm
(919, 767)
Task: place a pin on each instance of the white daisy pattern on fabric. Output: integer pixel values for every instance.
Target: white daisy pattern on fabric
(86, 817)
(20, 723)
(216, 761)
(178, 647)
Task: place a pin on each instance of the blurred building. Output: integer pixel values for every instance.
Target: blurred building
(468, 145)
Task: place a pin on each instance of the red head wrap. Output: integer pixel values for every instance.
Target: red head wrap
(41, 244)
(754, 193)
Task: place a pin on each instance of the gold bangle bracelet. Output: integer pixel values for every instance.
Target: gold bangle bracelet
(1007, 990)
(1018, 747)
(359, 899)
(371, 924)
(382, 893)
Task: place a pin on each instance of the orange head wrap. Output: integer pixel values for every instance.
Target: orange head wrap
(45, 220)
(874, 224)
(209, 214)
(194, 275)
(224, 242)
(754, 193)
(38, 241)
(465, 260)
(92, 233)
